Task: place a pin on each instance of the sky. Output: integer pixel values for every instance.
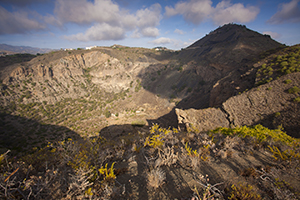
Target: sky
(173, 24)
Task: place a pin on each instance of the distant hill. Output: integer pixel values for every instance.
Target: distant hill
(9, 49)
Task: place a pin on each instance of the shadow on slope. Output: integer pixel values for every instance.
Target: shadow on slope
(210, 71)
(288, 119)
(20, 134)
(135, 160)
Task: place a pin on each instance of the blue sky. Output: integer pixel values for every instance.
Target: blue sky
(140, 23)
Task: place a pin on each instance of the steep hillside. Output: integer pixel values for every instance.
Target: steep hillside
(210, 66)
(228, 46)
(83, 90)
(273, 101)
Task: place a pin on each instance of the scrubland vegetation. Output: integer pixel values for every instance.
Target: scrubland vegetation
(285, 61)
(101, 168)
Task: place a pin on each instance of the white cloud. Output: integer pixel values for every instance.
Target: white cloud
(197, 11)
(272, 34)
(84, 12)
(161, 40)
(225, 12)
(194, 11)
(99, 32)
(136, 34)
(18, 22)
(180, 32)
(150, 32)
(149, 17)
(288, 12)
(146, 21)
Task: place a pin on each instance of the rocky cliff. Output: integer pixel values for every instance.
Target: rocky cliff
(272, 104)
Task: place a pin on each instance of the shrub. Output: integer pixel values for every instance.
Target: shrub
(108, 173)
(107, 113)
(297, 100)
(138, 123)
(156, 177)
(284, 63)
(243, 191)
(294, 90)
(259, 132)
(287, 81)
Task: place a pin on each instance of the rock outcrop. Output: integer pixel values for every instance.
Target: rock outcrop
(202, 120)
(266, 104)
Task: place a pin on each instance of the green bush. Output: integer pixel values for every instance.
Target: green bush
(294, 90)
(107, 113)
(297, 100)
(138, 123)
(287, 81)
(243, 191)
(277, 114)
(259, 132)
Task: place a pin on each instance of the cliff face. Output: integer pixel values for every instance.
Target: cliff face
(270, 105)
(71, 76)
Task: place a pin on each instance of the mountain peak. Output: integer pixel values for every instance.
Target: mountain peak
(231, 34)
(228, 46)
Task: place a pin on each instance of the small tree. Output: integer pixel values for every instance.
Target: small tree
(107, 113)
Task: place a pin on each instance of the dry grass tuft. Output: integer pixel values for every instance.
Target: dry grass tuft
(156, 177)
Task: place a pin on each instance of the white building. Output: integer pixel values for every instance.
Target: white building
(89, 48)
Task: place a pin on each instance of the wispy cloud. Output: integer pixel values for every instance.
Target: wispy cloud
(99, 32)
(19, 22)
(226, 12)
(272, 34)
(106, 12)
(175, 43)
(180, 32)
(161, 40)
(197, 11)
(288, 12)
(192, 11)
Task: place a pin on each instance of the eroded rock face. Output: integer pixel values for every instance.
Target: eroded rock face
(72, 76)
(203, 120)
(270, 104)
(251, 107)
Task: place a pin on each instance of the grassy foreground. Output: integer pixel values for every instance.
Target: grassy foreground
(158, 163)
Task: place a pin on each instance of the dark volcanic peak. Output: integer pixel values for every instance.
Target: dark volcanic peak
(229, 45)
(231, 34)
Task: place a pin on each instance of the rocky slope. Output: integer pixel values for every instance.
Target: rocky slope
(209, 67)
(270, 102)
